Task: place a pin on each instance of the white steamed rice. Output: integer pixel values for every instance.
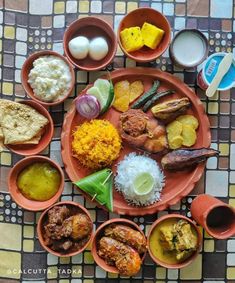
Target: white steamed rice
(128, 169)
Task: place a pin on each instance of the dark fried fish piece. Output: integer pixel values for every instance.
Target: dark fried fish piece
(186, 158)
(127, 236)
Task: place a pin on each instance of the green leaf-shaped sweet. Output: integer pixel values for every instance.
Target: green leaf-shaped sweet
(99, 186)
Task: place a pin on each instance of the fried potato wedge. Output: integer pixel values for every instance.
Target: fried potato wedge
(175, 142)
(174, 128)
(189, 136)
(189, 120)
(136, 90)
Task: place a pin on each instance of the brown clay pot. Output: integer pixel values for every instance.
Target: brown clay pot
(215, 216)
(188, 260)
(41, 222)
(28, 65)
(16, 194)
(90, 27)
(98, 234)
(172, 53)
(33, 149)
(137, 18)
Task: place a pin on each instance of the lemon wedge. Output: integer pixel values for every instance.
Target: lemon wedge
(143, 184)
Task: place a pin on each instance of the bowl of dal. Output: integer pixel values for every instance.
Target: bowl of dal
(36, 182)
(174, 241)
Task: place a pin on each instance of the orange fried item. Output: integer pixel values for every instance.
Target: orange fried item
(121, 96)
(125, 93)
(141, 131)
(121, 88)
(121, 104)
(125, 258)
(136, 89)
(127, 236)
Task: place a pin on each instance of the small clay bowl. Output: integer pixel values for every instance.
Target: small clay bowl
(98, 235)
(190, 33)
(90, 27)
(187, 261)
(18, 197)
(42, 220)
(137, 18)
(28, 65)
(33, 149)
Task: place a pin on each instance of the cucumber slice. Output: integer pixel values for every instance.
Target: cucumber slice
(103, 85)
(105, 88)
(97, 93)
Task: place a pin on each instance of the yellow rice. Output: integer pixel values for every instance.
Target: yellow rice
(96, 144)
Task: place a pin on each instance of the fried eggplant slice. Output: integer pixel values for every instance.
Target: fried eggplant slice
(185, 158)
(169, 110)
(127, 236)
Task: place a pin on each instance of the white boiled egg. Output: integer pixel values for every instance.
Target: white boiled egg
(98, 48)
(79, 47)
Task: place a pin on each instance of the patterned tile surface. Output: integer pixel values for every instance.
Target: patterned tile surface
(30, 25)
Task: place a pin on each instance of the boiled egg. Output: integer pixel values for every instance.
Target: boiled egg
(98, 48)
(79, 47)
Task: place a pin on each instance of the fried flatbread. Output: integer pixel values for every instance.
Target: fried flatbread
(20, 123)
(1, 140)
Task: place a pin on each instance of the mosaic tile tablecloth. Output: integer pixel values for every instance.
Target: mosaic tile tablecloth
(28, 26)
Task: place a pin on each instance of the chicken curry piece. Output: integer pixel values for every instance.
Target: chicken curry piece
(178, 238)
(66, 230)
(141, 131)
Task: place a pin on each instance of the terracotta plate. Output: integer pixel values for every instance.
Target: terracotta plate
(177, 184)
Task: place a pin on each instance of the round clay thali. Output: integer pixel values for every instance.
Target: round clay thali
(177, 184)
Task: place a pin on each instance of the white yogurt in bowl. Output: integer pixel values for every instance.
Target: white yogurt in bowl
(50, 78)
(189, 48)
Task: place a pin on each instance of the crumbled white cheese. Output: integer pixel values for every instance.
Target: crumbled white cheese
(50, 78)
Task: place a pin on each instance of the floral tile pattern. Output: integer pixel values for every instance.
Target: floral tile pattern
(30, 25)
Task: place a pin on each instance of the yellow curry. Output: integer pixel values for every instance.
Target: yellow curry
(172, 241)
(39, 181)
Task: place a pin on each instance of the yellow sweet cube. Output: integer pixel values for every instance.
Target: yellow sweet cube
(132, 39)
(151, 35)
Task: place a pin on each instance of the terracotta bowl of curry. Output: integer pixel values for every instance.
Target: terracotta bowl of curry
(25, 172)
(65, 229)
(167, 241)
(117, 235)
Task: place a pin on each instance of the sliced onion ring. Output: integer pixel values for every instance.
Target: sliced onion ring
(88, 106)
